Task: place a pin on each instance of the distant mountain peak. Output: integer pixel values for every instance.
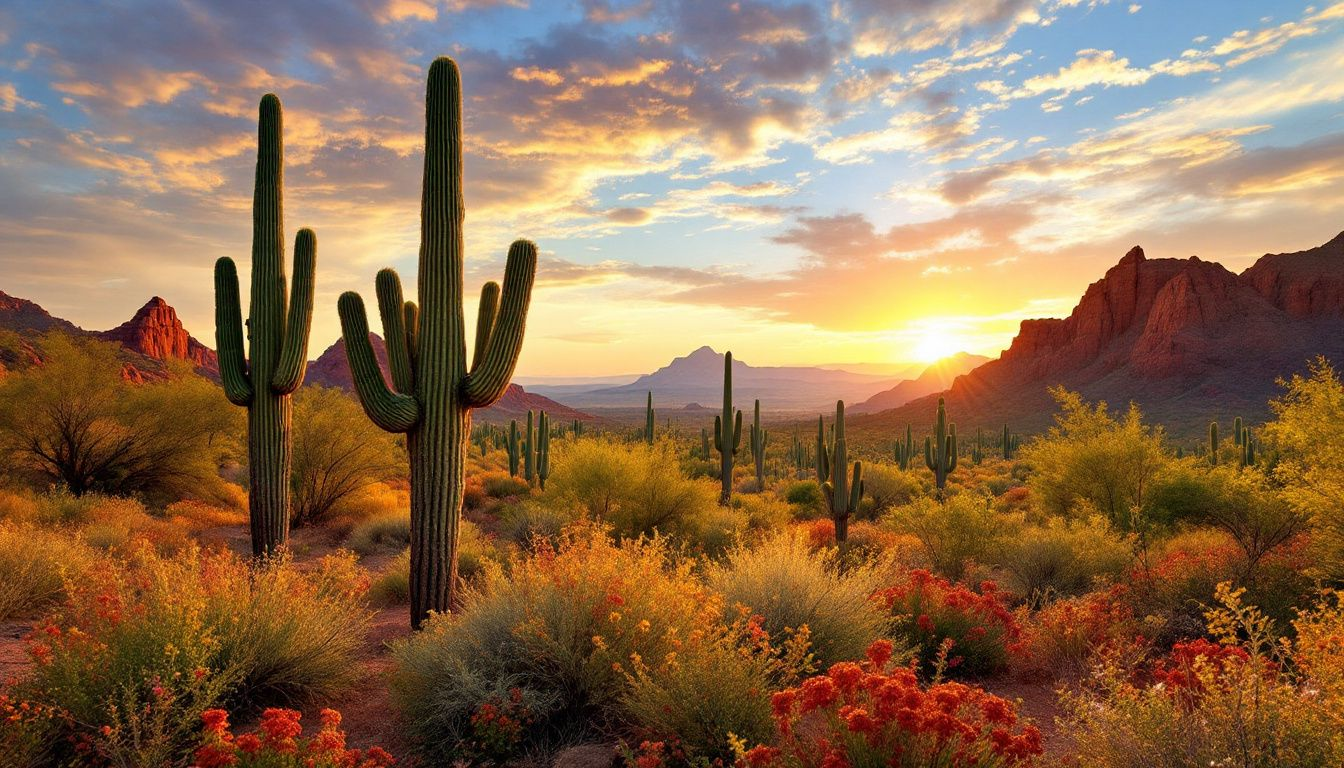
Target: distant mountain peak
(156, 331)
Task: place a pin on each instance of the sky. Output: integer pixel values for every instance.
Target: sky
(802, 182)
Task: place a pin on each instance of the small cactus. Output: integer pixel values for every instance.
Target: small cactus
(1245, 449)
(940, 451)
(905, 450)
(1213, 443)
(515, 452)
(758, 439)
(727, 433)
(1009, 443)
(277, 339)
(648, 421)
(978, 450)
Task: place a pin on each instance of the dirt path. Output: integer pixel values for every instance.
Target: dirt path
(1038, 702)
(13, 660)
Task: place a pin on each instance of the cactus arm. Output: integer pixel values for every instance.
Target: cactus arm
(229, 334)
(718, 433)
(294, 354)
(486, 314)
(737, 432)
(389, 410)
(951, 453)
(392, 309)
(928, 455)
(411, 312)
(488, 380)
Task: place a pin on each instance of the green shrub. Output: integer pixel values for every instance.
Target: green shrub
(528, 520)
(888, 487)
(793, 586)
(393, 585)
(385, 532)
(764, 511)
(962, 530)
(501, 485)
(34, 566)
(1062, 557)
(553, 638)
(806, 496)
(138, 652)
(635, 489)
(713, 529)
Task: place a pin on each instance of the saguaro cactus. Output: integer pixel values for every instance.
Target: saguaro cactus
(1213, 443)
(543, 469)
(758, 438)
(426, 346)
(529, 450)
(905, 450)
(648, 420)
(978, 450)
(1245, 448)
(727, 433)
(940, 451)
(277, 337)
(1009, 442)
(1236, 431)
(842, 492)
(514, 453)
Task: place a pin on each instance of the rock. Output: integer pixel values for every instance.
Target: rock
(155, 331)
(586, 756)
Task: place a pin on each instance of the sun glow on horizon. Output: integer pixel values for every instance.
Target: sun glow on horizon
(936, 341)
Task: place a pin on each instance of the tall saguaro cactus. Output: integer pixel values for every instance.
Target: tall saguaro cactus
(1213, 443)
(433, 389)
(529, 450)
(940, 451)
(727, 433)
(514, 453)
(758, 439)
(278, 325)
(543, 468)
(905, 450)
(842, 493)
(648, 420)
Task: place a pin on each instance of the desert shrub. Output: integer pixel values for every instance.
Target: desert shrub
(1235, 702)
(877, 715)
(337, 452)
(392, 585)
(791, 585)
(552, 637)
(34, 566)
(949, 625)
(474, 550)
(634, 489)
(528, 520)
(388, 531)
(119, 524)
(805, 496)
(501, 485)
(713, 529)
(277, 743)
(369, 502)
(764, 511)
(1062, 557)
(137, 653)
(198, 516)
(18, 506)
(667, 697)
(1064, 637)
(888, 487)
(961, 530)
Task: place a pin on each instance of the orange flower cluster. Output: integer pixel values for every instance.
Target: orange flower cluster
(868, 715)
(931, 611)
(1194, 663)
(497, 729)
(1065, 635)
(277, 743)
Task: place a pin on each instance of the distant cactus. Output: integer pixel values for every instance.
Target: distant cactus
(757, 445)
(978, 450)
(648, 421)
(578, 428)
(278, 339)
(704, 444)
(435, 390)
(1009, 443)
(514, 448)
(529, 451)
(1236, 431)
(543, 469)
(1213, 443)
(842, 492)
(1245, 448)
(727, 433)
(940, 451)
(905, 450)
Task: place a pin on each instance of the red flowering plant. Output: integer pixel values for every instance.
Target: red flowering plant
(874, 714)
(1065, 636)
(278, 743)
(929, 611)
(496, 730)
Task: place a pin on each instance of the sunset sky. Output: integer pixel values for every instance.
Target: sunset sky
(834, 181)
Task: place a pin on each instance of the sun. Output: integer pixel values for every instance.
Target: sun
(933, 343)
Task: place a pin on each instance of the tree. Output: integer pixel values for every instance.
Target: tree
(1090, 457)
(76, 421)
(337, 452)
(1307, 435)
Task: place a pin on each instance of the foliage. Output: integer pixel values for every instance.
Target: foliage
(792, 586)
(960, 531)
(387, 531)
(76, 422)
(1065, 636)
(1231, 703)
(563, 625)
(949, 624)
(277, 744)
(888, 487)
(1089, 456)
(872, 715)
(1061, 557)
(137, 653)
(336, 452)
(1310, 447)
(35, 565)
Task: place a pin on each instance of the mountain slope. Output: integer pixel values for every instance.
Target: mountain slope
(1188, 340)
(155, 331)
(698, 378)
(936, 378)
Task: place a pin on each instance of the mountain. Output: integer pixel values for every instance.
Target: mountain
(936, 378)
(1188, 340)
(698, 378)
(332, 369)
(156, 332)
